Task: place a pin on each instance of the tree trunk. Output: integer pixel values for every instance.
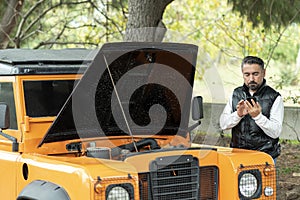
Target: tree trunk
(9, 20)
(145, 20)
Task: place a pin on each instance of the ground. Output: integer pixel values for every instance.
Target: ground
(288, 167)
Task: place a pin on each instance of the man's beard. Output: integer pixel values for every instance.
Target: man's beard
(253, 86)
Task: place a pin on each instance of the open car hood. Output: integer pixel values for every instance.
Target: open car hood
(130, 88)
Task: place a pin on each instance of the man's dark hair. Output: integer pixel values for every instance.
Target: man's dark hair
(253, 60)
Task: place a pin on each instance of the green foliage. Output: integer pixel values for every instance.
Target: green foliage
(268, 12)
(286, 76)
(225, 35)
(70, 23)
(3, 5)
(294, 99)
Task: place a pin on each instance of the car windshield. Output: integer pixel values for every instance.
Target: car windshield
(46, 97)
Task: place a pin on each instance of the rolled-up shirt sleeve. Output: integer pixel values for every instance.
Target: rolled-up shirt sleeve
(272, 126)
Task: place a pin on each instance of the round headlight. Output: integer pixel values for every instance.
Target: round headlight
(248, 185)
(269, 191)
(118, 192)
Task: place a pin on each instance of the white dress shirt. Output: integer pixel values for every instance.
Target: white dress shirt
(272, 127)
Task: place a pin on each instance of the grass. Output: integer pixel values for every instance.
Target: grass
(288, 170)
(292, 142)
(197, 135)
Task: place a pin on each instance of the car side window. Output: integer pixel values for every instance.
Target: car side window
(7, 96)
(46, 98)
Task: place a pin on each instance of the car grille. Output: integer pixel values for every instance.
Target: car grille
(178, 178)
(209, 183)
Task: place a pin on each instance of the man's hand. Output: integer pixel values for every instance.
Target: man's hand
(254, 110)
(241, 108)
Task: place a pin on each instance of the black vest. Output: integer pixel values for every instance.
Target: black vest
(246, 134)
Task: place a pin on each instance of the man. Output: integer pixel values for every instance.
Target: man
(256, 123)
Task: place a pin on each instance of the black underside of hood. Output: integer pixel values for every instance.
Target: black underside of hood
(130, 88)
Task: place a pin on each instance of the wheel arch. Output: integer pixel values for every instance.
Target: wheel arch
(40, 189)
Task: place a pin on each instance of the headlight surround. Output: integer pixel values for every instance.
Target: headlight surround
(250, 184)
(119, 191)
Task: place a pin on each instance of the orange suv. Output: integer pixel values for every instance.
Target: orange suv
(114, 123)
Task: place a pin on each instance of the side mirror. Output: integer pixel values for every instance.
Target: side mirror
(4, 124)
(197, 108)
(4, 116)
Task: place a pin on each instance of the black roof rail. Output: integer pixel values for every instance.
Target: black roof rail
(45, 61)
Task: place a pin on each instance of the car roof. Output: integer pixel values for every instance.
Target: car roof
(45, 61)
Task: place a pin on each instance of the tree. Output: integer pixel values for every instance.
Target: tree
(10, 10)
(60, 24)
(73, 23)
(86, 23)
(268, 12)
(279, 14)
(145, 20)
